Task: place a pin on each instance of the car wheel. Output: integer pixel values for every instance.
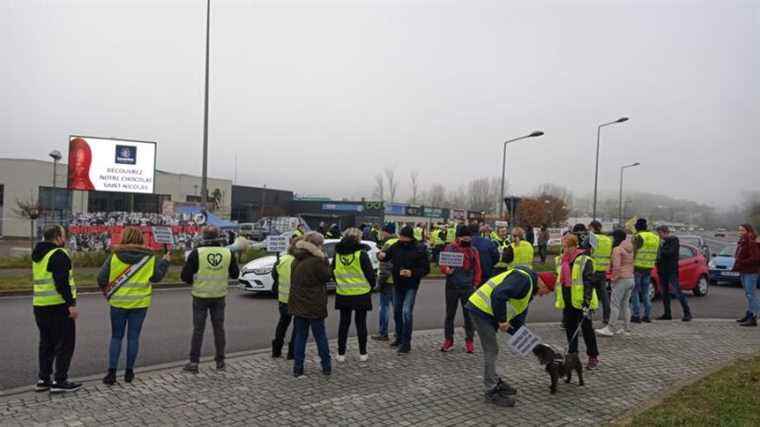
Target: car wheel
(702, 287)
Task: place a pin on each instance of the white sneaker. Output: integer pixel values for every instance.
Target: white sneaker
(605, 332)
(624, 333)
(341, 358)
(363, 357)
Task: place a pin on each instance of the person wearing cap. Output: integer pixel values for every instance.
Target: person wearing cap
(384, 284)
(645, 247)
(501, 305)
(410, 265)
(460, 283)
(667, 270)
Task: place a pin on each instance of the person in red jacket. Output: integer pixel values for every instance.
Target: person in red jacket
(461, 282)
(747, 264)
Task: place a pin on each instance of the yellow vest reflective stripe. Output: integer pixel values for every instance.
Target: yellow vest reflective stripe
(135, 293)
(523, 255)
(418, 233)
(451, 234)
(349, 276)
(284, 268)
(576, 289)
(213, 267)
(601, 255)
(44, 285)
(481, 298)
(646, 256)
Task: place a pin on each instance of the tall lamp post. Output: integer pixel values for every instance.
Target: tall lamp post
(204, 176)
(620, 200)
(504, 165)
(596, 174)
(56, 155)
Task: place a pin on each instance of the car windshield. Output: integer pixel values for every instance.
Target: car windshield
(728, 251)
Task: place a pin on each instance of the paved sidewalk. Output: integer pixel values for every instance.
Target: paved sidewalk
(426, 387)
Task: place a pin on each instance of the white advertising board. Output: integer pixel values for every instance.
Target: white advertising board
(104, 164)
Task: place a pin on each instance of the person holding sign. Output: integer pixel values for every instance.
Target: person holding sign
(461, 281)
(125, 280)
(501, 304)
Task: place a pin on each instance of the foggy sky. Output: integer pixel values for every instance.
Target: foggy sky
(318, 96)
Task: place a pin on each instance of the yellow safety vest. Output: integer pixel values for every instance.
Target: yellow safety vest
(213, 270)
(435, 240)
(481, 298)
(386, 245)
(284, 268)
(297, 233)
(500, 246)
(418, 234)
(44, 286)
(601, 255)
(451, 234)
(576, 289)
(349, 276)
(135, 293)
(523, 255)
(646, 256)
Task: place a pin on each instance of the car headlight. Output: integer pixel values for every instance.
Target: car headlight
(262, 271)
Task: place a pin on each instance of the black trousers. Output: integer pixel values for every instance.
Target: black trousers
(454, 296)
(282, 329)
(361, 329)
(572, 317)
(57, 341)
(669, 282)
(215, 309)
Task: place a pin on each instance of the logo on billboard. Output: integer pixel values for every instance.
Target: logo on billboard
(126, 154)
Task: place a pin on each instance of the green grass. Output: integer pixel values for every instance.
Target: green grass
(729, 397)
(84, 279)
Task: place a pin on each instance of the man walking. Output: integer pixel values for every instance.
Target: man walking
(501, 304)
(55, 311)
(645, 246)
(410, 265)
(667, 270)
(601, 251)
(385, 282)
(208, 269)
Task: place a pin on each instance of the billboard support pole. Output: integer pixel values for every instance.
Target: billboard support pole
(204, 179)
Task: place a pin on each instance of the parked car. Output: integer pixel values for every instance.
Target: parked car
(699, 242)
(720, 234)
(256, 276)
(722, 264)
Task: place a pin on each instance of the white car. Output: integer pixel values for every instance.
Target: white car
(256, 276)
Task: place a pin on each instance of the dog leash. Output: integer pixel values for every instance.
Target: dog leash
(575, 335)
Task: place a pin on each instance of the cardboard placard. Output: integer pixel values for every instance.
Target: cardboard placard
(277, 244)
(163, 235)
(523, 341)
(499, 224)
(451, 259)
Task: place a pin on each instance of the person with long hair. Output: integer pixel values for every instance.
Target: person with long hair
(621, 266)
(747, 264)
(125, 279)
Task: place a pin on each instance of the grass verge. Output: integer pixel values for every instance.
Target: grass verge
(84, 279)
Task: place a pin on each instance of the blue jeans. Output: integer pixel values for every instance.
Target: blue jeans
(641, 283)
(403, 307)
(749, 282)
(386, 300)
(301, 329)
(130, 320)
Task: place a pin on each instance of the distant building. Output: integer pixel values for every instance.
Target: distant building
(252, 203)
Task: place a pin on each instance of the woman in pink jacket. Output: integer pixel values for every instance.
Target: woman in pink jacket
(622, 285)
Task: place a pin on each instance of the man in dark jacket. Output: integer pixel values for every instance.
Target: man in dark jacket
(410, 265)
(487, 250)
(55, 310)
(667, 270)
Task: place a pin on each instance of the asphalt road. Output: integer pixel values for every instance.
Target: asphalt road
(250, 325)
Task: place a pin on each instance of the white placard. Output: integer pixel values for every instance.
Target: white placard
(163, 235)
(451, 259)
(277, 244)
(523, 341)
(106, 164)
(500, 224)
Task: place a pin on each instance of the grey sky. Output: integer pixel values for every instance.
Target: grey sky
(318, 96)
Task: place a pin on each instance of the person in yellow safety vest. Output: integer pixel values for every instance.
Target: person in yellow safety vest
(501, 304)
(125, 279)
(281, 273)
(419, 233)
(299, 231)
(502, 242)
(645, 247)
(55, 312)
(451, 233)
(519, 252)
(208, 269)
(384, 284)
(354, 276)
(437, 240)
(601, 252)
(576, 297)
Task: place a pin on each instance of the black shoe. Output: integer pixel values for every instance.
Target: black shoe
(110, 378)
(380, 337)
(276, 349)
(498, 399)
(220, 365)
(635, 319)
(395, 343)
(298, 372)
(129, 375)
(505, 389)
(686, 317)
(404, 349)
(64, 387)
(327, 371)
(191, 367)
(665, 317)
(745, 318)
(42, 386)
(752, 321)
(646, 320)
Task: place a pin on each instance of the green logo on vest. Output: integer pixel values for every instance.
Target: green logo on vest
(214, 259)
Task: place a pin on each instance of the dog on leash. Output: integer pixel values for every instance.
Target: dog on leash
(559, 366)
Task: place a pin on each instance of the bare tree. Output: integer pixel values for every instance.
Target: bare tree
(458, 199)
(28, 209)
(390, 177)
(379, 191)
(436, 196)
(483, 193)
(414, 177)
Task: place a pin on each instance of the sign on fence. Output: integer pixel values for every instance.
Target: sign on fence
(163, 235)
(451, 259)
(277, 244)
(523, 341)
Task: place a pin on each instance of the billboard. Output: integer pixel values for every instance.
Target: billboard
(107, 164)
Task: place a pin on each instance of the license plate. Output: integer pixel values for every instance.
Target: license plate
(730, 274)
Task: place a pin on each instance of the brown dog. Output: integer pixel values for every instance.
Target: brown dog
(558, 366)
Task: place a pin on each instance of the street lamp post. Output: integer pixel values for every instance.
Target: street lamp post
(620, 207)
(56, 155)
(596, 174)
(504, 166)
(204, 176)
